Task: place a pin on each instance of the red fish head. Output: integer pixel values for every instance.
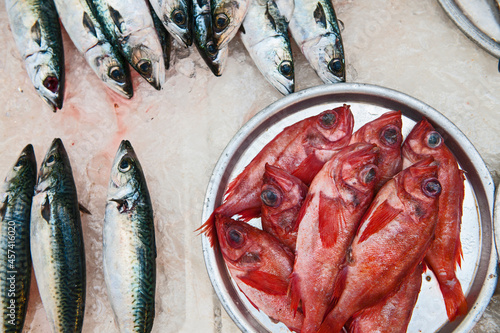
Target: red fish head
(420, 180)
(281, 191)
(385, 131)
(423, 140)
(332, 126)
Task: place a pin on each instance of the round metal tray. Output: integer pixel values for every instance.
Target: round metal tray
(478, 273)
(478, 19)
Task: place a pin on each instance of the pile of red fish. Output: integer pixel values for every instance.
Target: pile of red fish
(349, 223)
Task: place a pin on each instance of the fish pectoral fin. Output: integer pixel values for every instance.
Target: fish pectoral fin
(36, 33)
(83, 209)
(268, 283)
(270, 17)
(45, 209)
(379, 218)
(302, 211)
(319, 15)
(116, 17)
(294, 291)
(87, 23)
(331, 219)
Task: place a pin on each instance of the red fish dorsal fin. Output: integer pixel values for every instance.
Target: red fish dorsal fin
(331, 219)
(383, 214)
(268, 283)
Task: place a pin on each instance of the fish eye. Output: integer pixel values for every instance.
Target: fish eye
(50, 160)
(434, 139)
(431, 187)
(51, 83)
(117, 74)
(211, 48)
(286, 68)
(369, 175)
(336, 67)
(125, 164)
(235, 238)
(179, 17)
(144, 67)
(221, 22)
(328, 120)
(390, 135)
(270, 197)
(19, 164)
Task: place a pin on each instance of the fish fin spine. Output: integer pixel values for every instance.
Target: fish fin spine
(208, 228)
(268, 283)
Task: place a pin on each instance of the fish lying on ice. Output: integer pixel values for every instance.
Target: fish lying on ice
(176, 17)
(15, 260)
(129, 249)
(37, 32)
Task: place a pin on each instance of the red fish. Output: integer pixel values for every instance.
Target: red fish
(445, 252)
(282, 196)
(327, 222)
(385, 132)
(391, 241)
(392, 314)
(302, 148)
(261, 268)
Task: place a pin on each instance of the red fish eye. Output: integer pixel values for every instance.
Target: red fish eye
(328, 120)
(235, 238)
(434, 139)
(368, 174)
(431, 187)
(390, 135)
(270, 196)
(51, 83)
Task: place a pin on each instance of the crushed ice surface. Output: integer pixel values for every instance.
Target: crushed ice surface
(180, 131)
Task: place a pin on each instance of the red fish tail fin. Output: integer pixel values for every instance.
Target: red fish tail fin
(331, 220)
(294, 291)
(249, 214)
(208, 228)
(454, 299)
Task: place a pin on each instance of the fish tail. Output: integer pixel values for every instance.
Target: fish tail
(294, 291)
(454, 298)
(208, 228)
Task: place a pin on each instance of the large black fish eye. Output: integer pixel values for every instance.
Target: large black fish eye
(431, 187)
(20, 163)
(328, 120)
(336, 67)
(179, 17)
(145, 67)
(221, 22)
(390, 135)
(269, 197)
(50, 160)
(211, 48)
(434, 139)
(235, 238)
(117, 74)
(125, 164)
(286, 68)
(369, 176)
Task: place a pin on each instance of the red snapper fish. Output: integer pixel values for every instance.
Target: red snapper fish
(445, 252)
(392, 314)
(337, 198)
(261, 267)
(385, 132)
(301, 148)
(282, 196)
(391, 241)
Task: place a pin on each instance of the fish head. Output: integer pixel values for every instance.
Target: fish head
(126, 173)
(214, 57)
(274, 60)
(335, 125)
(420, 180)
(147, 56)
(281, 191)
(326, 56)
(55, 163)
(422, 141)
(24, 168)
(111, 68)
(385, 131)
(178, 21)
(227, 16)
(47, 76)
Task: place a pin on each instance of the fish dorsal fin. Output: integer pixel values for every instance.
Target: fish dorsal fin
(270, 17)
(36, 33)
(383, 214)
(331, 220)
(45, 209)
(116, 17)
(319, 15)
(268, 283)
(87, 23)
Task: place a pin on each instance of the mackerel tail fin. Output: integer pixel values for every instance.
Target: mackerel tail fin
(454, 299)
(208, 228)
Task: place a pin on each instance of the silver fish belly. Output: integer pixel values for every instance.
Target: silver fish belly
(265, 36)
(315, 29)
(15, 259)
(56, 242)
(129, 27)
(87, 36)
(176, 17)
(37, 32)
(129, 250)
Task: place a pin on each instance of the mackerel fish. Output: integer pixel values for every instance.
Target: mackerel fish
(163, 36)
(315, 29)
(265, 36)
(88, 37)
(57, 248)
(214, 57)
(176, 17)
(227, 17)
(37, 32)
(129, 249)
(15, 259)
(129, 27)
